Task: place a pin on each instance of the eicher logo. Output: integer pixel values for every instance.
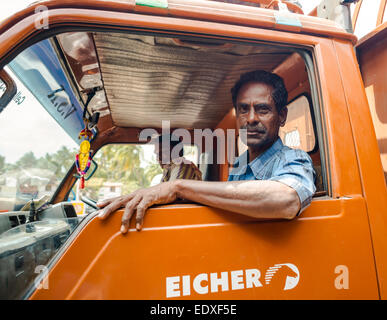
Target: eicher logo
(290, 272)
(284, 276)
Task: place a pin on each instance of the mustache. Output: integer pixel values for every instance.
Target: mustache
(256, 128)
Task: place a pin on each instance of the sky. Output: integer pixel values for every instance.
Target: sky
(28, 127)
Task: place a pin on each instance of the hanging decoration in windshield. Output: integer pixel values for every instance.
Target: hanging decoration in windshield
(83, 157)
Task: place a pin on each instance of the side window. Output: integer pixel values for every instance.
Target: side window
(122, 169)
(298, 131)
(191, 153)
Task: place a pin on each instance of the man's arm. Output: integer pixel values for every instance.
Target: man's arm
(254, 198)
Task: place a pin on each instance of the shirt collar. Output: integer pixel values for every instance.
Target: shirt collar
(259, 161)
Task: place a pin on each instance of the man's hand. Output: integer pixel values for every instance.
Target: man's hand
(138, 201)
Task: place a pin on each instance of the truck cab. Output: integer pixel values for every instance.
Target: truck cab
(129, 70)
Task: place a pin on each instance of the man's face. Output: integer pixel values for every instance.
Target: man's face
(257, 113)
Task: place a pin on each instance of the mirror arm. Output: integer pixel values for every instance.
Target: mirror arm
(10, 91)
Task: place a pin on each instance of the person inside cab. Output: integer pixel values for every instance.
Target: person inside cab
(269, 180)
(169, 152)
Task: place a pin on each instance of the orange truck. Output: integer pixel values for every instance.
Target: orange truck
(125, 66)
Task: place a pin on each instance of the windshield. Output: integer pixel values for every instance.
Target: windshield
(35, 153)
(25, 251)
(38, 129)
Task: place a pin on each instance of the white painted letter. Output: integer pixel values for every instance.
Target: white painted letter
(197, 283)
(237, 280)
(186, 286)
(252, 278)
(173, 287)
(215, 281)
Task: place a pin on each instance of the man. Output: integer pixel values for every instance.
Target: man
(269, 180)
(174, 165)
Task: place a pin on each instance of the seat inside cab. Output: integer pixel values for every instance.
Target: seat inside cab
(140, 81)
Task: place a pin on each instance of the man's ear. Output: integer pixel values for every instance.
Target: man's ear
(282, 116)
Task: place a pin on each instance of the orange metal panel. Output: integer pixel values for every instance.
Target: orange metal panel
(372, 53)
(202, 10)
(192, 240)
(373, 63)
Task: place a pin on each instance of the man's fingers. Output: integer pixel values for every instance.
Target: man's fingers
(104, 203)
(141, 208)
(113, 204)
(128, 212)
(110, 208)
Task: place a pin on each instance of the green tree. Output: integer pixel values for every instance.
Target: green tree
(152, 170)
(63, 159)
(28, 160)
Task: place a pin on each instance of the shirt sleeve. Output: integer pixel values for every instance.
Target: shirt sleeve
(297, 172)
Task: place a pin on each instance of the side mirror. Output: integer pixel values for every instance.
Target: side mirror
(10, 89)
(93, 168)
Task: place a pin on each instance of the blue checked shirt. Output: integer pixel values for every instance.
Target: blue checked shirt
(279, 163)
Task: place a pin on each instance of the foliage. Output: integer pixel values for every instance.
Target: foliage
(121, 164)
